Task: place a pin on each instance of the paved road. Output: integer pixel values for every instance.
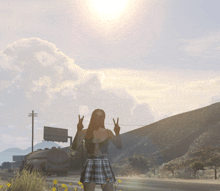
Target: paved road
(149, 185)
(129, 184)
(160, 185)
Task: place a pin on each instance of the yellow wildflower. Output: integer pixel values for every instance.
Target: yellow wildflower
(119, 180)
(64, 185)
(82, 186)
(79, 183)
(8, 184)
(70, 183)
(0, 186)
(66, 189)
(54, 189)
(55, 181)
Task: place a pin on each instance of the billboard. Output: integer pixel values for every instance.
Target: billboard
(18, 158)
(55, 134)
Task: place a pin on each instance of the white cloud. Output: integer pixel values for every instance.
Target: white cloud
(23, 60)
(7, 138)
(47, 81)
(90, 39)
(44, 81)
(45, 59)
(205, 47)
(166, 92)
(204, 85)
(60, 90)
(83, 110)
(215, 99)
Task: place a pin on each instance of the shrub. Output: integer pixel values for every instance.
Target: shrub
(197, 165)
(139, 164)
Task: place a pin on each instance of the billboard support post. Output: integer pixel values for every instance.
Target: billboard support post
(70, 140)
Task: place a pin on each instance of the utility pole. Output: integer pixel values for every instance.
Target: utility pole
(32, 115)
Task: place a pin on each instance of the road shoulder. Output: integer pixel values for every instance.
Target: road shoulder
(200, 181)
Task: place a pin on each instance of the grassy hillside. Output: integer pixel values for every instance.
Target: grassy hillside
(209, 156)
(171, 137)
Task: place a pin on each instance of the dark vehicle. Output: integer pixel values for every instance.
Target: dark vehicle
(10, 170)
(47, 161)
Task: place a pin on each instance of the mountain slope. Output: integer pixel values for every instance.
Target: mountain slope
(172, 137)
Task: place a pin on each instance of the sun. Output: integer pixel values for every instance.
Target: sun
(108, 8)
(109, 21)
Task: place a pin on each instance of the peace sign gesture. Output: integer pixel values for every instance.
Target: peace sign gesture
(80, 125)
(117, 128)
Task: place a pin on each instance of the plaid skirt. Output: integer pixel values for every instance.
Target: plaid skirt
(97, 170)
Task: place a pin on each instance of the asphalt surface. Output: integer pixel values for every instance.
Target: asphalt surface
(139, 184)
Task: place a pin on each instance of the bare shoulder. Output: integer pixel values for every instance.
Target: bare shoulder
(110, 134)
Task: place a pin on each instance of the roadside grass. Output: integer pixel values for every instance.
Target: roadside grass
(25, 180)
(36, 181)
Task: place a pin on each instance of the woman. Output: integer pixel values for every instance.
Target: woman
(97, 169)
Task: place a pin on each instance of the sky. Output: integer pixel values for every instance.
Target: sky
(138, 60)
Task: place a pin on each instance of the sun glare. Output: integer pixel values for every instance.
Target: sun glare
(111, 21)
(109, 7)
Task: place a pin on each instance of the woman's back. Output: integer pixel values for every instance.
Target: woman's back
(98, 143)
(100, 135)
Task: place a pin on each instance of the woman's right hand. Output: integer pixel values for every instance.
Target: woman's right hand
(117, 128)
(80, 125)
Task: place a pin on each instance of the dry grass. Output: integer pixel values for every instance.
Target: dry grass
(34, 181)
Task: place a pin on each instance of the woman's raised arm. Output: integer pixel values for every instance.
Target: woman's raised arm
(116, 140)
(79, 134)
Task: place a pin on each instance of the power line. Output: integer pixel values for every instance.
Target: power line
(120, 124)
(191, 122)
(163, 122)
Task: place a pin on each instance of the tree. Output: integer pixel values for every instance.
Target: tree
(139, 164)
(197, 165)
